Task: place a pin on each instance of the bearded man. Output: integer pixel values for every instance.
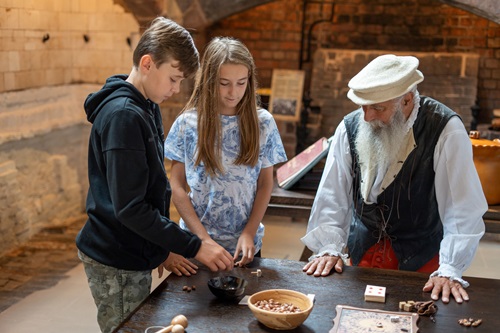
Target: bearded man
(399, 189)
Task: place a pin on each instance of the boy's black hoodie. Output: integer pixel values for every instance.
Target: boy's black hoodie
(129, 195)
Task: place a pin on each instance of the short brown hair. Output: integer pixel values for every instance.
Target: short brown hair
(166, 40)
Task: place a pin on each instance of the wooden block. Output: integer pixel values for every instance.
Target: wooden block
(375, 294)
(408, 307)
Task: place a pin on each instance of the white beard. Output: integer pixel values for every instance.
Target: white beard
(378, 144)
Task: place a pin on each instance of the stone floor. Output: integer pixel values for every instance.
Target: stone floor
(40, 263)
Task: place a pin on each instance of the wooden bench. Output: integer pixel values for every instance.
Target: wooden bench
(492, 219)
(298, 204)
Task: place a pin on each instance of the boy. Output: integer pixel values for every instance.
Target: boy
(128, 232)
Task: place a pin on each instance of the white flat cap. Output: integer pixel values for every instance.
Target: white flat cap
(384, 78)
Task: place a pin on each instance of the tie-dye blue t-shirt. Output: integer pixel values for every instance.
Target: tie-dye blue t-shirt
(224, 203)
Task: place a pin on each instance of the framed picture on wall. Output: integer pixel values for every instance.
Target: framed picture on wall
(285, 100)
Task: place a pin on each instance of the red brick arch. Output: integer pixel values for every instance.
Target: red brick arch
(193, 14)
(488, 9)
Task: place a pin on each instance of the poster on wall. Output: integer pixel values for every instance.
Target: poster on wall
(286, 94)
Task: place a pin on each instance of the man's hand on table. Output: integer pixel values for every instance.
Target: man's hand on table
(322, 266)
(178, 265)
(442, 285)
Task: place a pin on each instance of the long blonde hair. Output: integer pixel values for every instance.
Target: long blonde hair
(205, 98)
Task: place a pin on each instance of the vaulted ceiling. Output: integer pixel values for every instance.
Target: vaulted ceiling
(192, 14)
(489, 9)
(198, 14)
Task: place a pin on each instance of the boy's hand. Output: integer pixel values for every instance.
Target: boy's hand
(214, 256)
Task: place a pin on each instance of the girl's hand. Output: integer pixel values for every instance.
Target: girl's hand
(246, 247)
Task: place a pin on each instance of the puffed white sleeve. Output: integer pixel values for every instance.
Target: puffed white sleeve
(461, 201)
(331, 213)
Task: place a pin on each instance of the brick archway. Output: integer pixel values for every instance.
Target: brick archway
(488, 9)
(192, 14)
(198, 14)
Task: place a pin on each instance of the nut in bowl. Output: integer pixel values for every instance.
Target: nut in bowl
(227, 287)
(280, 309)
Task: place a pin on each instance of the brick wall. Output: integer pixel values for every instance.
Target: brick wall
(272, 33)
(452, 77)
(398, 26)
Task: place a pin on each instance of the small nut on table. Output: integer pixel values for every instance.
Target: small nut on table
(470, 322)
(258, 273)
(464, 322)
(476, 323)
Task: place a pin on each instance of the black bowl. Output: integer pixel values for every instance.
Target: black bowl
(227, 287)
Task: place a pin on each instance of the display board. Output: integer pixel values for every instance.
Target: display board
(286, 94)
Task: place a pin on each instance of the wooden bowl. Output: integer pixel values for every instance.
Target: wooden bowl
(281, 321)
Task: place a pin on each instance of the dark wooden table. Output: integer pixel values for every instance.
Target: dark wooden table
(208, 314)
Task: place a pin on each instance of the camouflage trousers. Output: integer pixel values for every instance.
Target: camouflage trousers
(116, 292)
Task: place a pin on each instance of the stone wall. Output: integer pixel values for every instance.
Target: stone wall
(449, 78)
(56, 42)
(31, 112)
(53, 53)
(37, 190)
(43, 158)
(43, 161)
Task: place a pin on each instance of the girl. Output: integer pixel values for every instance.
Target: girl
(223, 148)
